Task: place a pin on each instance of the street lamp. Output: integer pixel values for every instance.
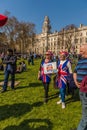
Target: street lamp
(21, 45)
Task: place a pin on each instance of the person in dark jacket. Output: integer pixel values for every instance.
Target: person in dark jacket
(10, 69)
(32, 59)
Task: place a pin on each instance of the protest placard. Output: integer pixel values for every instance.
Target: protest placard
(50, 68)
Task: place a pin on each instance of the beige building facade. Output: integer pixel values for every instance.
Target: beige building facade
(69, 39)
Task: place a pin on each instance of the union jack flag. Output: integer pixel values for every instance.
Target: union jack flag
(62, 74)
(46, 78)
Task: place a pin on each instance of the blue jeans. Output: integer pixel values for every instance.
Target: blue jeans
(7, 73)
(83, 122)
(62, 93)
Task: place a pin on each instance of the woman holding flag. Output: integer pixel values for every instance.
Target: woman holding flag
(64, 68)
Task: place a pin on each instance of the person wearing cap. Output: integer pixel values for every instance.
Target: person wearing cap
(10, 69)
(64, 68)
(45, 78)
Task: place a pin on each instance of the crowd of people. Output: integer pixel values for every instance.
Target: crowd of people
(63, 78)
(12, 63)
(60, 80)
(64, 73)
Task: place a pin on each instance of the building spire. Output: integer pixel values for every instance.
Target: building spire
(46, 25)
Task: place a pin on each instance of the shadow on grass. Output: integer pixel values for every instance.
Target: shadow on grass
(35, 84)
(2, 73)
(30, 85)
(19, 78)
(16, 110)
(21, 87)
(32, 124)
(74, 97)
(37, 104)
(53, 96)
(1, 80)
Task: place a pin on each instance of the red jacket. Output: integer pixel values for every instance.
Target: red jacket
(83, 87)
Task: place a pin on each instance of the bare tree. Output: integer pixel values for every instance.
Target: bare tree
(10, 30)
(25, 33)
(18, 33)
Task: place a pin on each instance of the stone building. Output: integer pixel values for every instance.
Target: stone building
(69, 38)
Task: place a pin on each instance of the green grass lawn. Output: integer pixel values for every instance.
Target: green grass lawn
(23, 109)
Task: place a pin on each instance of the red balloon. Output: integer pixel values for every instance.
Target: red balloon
(3, 20)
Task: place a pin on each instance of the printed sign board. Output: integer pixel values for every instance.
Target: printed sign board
(50, 68)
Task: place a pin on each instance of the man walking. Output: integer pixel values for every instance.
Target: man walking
(10, 69)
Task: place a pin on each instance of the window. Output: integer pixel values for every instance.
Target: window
(86, 40)
(80, 34)
(80, 40)
(76, 40)
(76, 47)
(54, 43)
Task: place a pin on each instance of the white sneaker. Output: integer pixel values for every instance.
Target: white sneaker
(65, 96)
(59, 96)
(63, 105)
(59, 102)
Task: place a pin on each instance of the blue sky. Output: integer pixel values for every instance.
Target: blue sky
(60, 12)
